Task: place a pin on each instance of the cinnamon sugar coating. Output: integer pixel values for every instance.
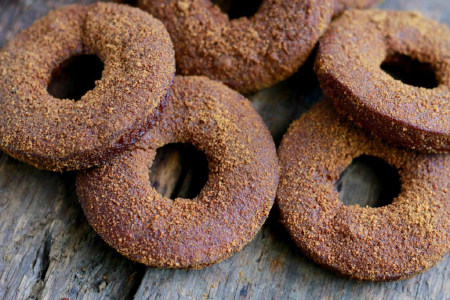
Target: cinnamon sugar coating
(57, 134)
(341, 5)
(381, 244)
(141, 224)
(247, 54)
(348, 67)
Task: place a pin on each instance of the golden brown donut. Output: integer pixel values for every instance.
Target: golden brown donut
(247, 54)
(57, 134)
(141, 224)
(381, 244)
(348, 66)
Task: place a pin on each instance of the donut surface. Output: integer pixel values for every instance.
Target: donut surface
(348, 66)
(247, 54)
(380, 244)
(63, 134)
(123, 207)
(342, 5)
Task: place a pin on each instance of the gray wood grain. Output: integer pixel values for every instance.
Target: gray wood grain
(48, 250)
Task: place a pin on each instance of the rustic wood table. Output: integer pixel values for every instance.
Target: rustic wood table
(49, 251)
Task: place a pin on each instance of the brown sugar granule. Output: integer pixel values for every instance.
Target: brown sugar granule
(381, 244)
(57, 134)
(341, 5)
(141, 224)
(247, 54)
(348, 66)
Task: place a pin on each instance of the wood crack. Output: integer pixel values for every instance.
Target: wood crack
(137, 278)
(46, 256)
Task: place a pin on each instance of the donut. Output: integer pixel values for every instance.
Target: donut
(128, 213)
(348, 67)
(385, 243)
(342, 5)
(63, 134)
(247, 54)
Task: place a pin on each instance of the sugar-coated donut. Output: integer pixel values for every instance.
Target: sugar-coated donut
(141, 224)
(348, 66)
(61, 134)
(381, 244)
(247, 54)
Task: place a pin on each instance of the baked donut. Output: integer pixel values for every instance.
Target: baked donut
(348, 66)
(247, 54)
(342, 5)
(141, 224)
(63, 134)
(381, 244)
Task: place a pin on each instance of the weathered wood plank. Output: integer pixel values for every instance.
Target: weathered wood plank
(48, 251)
(271, 266)
(46, 246)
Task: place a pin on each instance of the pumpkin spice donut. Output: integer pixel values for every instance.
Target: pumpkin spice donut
(380, 244)
(247, 54)
(63, 134)
(348, 66)
(141, 224)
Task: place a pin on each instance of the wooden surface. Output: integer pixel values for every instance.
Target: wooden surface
(49, 251)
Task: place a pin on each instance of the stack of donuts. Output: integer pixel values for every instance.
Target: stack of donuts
(111, 134)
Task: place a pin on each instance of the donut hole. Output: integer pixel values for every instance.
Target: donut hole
(75, 76)
(410, 71)
(129, 2)
(368, 181)
(179, 171)
(238, 9)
